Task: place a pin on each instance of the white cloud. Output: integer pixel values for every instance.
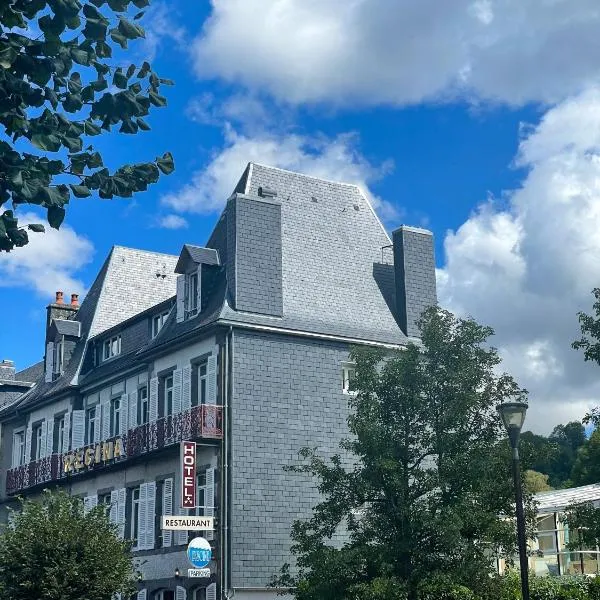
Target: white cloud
(527, 265)
(335, 159)
(161, 27)
(49, 262)
(400, 51)
(172, 222)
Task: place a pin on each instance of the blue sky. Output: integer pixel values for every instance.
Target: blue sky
(479, 120)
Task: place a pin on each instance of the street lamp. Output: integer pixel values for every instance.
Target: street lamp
(513, 417)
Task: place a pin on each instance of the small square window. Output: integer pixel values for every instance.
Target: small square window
(111, 347)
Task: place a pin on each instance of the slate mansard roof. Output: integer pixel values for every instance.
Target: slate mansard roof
(334, 279)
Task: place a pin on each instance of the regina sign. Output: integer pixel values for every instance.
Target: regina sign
(188, 474)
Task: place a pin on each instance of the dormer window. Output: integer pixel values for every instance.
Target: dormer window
(57, 362)
(157, 323)
(111, 347)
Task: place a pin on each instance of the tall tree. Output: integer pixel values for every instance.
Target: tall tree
(536, 482)
(428, 484)
(58, 89)
(54, 551)
(586, 469)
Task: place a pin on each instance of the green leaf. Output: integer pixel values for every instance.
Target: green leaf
(49, 142)
(36, 227)
(55, 195)
(166, 164)
(130, 71)
(139, 15)
(128, 126)
(167, 81)
(74, 83)
(142, 124)
(72, 103)
(144, 70)
(56, 215)
(7, 56)
(119, 79)
(156, 99)
(103, 50)
(141, 3)
(51, 97)
(81, 57)
(87, 93)
(136, 88)
(130, 30)
(95, 160)
(80, 191)
(91, 12)
(91, 128)
(119, 38)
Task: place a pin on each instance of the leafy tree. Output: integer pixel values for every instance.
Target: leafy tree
(58, 89)
(56, 552)
(428, 484)
(587, 465)
(536, 482)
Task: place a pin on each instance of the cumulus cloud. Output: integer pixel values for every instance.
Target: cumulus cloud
(161, 27)
(336, 159)
(399, 51)
(526, 265)
(49, 262)
(172, 222)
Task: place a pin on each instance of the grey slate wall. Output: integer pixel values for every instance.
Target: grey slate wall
(287, 394)
(258, 270)
(414, 262)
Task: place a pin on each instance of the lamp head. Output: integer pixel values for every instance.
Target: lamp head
(513, 417)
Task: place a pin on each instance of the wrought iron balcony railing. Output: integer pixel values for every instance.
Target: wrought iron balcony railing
(200, 422)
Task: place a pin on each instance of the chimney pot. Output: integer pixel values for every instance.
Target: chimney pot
(59, 298)
(74, 299)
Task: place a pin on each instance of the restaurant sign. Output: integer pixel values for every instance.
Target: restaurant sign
(93, 455)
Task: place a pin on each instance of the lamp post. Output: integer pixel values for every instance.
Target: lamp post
(513, 417)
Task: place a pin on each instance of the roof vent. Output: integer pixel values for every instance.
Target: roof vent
(356, 207)
(314, 199)
(265, 192)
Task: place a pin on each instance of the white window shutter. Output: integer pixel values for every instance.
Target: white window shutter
(90, 502)
(209, 499)
(211, 591)
(142, 512)
(49, 361)
(43, 441)
(180, 593)
(122, 502)
(28, 436)
(78, 436)
(98, 423)
(141, 595)
(180, 298)
(66, 434)
(123, 414)
(181, 537)
(167, 504)
(105, 420)
(211, 379)
(133, 409)
(50, 437)
(186, 388)
(113, 515)
(153, 400)
(176, 391)
(199, 290)
(150, 514)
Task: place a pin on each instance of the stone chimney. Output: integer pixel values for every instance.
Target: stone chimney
(414, 266)
(59, 310)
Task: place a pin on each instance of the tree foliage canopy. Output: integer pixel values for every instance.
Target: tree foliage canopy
(58, 89)
(421, 482)
(54, 551)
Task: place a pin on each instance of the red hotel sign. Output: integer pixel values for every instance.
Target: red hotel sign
(188, 474)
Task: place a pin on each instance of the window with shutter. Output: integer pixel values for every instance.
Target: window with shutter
(176, 391)
(48, 376)
(181, 537)
(186, 388)
(132, 402)
(122, 502)
(67, 433)
(142, 518)
(180, 298)
(105, 419)
(153, 410)
(124, 413)
(211, 388)
(167, 503)
(209, 499)
(49, 437)
(150, 514)
(141, 595)
(42, 440)
(211, 591)
(28, 436)
(180, 593)
(78, 425)
(90, 502)
(18, 453)
(113, 515)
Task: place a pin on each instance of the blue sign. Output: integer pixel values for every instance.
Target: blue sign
(199, 552)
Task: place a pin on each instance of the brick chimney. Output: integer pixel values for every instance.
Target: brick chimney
(59, 310)
(75, 300)
(414, 266)
(7, 370)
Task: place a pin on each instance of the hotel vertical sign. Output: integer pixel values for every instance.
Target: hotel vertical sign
(188, 474)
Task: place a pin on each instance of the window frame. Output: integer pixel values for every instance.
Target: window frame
(59, 434)
(141, 403)
(111, 347)
(36, 436)
(191, 294)
(158, 319)
(91, 423)
(167, 394)
(21, 433)
(58, 358)
(348, 372)
(115, 425)
(134, 509)
(199, 398)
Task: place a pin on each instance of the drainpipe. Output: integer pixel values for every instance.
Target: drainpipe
(226, 502)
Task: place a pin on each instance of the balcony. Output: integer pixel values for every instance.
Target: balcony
(200, 422)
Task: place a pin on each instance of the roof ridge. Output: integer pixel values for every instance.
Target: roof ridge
(117, 246)
(304, 175)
